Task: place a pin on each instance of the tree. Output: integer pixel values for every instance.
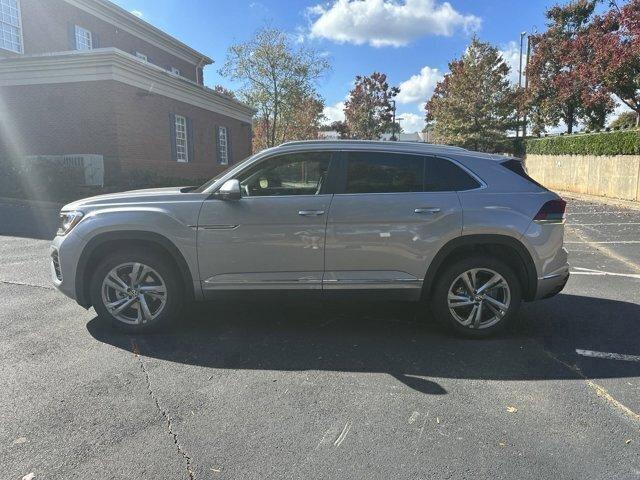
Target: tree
(279, 80)
(614, 39)
(558, 91)
(368, 110)
(625, 119)
(224, 91)
(474, 106)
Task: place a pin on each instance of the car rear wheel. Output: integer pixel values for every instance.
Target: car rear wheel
(477, 297)
(136, 291)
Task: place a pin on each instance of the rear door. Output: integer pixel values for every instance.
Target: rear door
(391, 214)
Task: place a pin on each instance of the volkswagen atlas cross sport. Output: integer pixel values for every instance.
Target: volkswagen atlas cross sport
(469, 233)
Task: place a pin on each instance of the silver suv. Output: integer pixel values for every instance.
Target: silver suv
(468, 232)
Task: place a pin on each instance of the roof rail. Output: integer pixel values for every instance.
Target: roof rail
(372, 142)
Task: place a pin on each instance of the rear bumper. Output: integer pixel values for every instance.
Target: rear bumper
(552, 283)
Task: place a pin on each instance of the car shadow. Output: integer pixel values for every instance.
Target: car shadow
(394, 338)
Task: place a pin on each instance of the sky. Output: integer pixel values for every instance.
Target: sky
(412, 41)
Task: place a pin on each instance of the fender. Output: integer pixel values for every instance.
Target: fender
(467, 241)
(82, 287)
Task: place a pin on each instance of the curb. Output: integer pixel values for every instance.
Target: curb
(21, 202)
(598, 199)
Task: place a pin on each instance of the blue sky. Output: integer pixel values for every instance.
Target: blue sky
(410, 40)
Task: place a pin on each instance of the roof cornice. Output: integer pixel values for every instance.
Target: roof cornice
(113, 64)
(119, 17)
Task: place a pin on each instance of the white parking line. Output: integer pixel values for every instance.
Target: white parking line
(604, 223)
(589, 271)
(621, 242)
(609, 356)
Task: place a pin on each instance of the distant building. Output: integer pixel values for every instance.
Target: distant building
(403, 137)
(87, 77)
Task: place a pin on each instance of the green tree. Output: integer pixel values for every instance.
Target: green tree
(368, 110)
(474, 106)
(625, 119)
(558, 91)
(276, 76)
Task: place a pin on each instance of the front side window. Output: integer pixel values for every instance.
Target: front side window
(379, 172)
(182, 154)
(223, 146)
(84, 41)
(10, 26)
(292, 174)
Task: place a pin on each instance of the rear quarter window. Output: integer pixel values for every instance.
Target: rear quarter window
(517, 167)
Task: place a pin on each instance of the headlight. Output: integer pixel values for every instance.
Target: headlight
(68, 220)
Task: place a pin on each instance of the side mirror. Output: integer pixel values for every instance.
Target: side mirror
(230, 190)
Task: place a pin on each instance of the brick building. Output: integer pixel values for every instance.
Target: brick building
(87, 77)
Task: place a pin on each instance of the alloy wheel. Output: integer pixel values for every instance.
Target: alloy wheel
(479, 298)
(134, 293)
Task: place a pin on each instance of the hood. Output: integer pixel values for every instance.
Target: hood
(146, 196)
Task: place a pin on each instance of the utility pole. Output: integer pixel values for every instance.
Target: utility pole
(526, 85)
(522, 35)
(393, 125)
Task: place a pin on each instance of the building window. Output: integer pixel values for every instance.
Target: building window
(175, 71)
(142, 56)
(84, 41)
(10, 26)
(182, 149)
(223, 146)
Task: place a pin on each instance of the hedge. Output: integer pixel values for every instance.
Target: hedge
(604, 143)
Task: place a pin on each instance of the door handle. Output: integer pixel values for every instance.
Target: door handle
(311, 213)
(427, 210)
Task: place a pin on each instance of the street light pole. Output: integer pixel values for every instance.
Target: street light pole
(522, 35)
(393, 125)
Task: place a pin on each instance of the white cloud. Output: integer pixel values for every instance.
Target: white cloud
(137, 13)
(419, 88)
(334, 113)
(511, 55)
(386, 22)
(411, 122)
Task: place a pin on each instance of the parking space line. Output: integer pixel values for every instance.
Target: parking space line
(603, 249)
(589, 271)
(598, 389)
(609, 356)
(603, 223)
(621, 242)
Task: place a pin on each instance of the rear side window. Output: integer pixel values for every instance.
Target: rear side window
(442, 175)
(379, 172)
(517, 167)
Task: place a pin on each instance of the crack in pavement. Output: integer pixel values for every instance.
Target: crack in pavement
(23, 284)
(163, 413)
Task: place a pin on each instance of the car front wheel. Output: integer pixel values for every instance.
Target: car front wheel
(477, 297)
(136, 291)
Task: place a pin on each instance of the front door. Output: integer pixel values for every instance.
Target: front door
(273, 237)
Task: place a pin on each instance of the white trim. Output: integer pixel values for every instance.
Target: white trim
(142, 56)
(120, 18)
(225, 145)
(113, 64)
(182, 135)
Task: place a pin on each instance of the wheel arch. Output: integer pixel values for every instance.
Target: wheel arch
(505, 248)
(105, 243)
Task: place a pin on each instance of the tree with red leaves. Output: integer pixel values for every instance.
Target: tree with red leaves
(559, 90)
(614, 41)
(368, 110)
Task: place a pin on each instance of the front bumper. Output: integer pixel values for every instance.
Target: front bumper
(65, 252)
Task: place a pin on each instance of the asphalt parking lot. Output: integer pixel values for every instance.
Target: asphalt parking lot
(288, 389)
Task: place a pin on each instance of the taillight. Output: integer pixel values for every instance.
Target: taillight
(551, 212)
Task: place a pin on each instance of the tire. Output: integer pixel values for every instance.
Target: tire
(157, 285)
(492, 318)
